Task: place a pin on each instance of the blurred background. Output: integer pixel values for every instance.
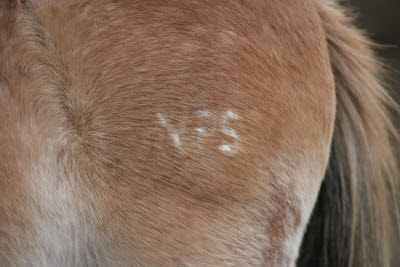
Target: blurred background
(381, 20)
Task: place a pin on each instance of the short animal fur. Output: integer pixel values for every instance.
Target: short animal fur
(192, 133)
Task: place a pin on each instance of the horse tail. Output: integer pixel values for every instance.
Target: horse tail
(355, 221)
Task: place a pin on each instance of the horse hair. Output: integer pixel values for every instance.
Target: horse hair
(352, 223)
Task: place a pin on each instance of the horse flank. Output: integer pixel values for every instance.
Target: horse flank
(94, 171)
(360, 229)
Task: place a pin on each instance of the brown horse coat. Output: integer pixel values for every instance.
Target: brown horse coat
(180, 132)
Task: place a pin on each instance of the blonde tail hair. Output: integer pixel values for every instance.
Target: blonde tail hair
(355, 220)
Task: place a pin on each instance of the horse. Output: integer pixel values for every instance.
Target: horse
(193, 133)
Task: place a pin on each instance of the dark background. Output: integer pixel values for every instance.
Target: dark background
(381, 20)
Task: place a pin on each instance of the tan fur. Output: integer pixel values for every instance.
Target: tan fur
(102, 162)
(360, 229)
